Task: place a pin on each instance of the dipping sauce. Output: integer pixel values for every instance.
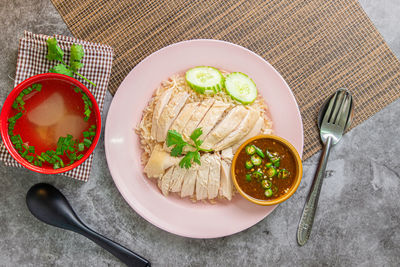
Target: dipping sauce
(51, 123)
(265, 169)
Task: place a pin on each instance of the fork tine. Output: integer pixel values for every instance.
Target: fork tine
(338, 104)
(344, 113)
(329, 109)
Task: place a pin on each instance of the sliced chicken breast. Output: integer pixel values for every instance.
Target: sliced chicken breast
(189, 181)
(212, 116)
(241, 131)
(159, 161)
(169, 114)
(197, 117)
(202, 177)
(226, 189)
(254, 131)
(161, 103)
(225, 127)
(177, 179)
(164, 182)
(214, 176)
(227, 154)
(184, 116)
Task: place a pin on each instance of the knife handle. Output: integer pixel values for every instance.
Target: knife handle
(307, 218)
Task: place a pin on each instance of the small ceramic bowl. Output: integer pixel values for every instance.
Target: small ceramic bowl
(7, 109)
(297, 178)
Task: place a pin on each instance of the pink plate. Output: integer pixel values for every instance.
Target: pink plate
(175, 215)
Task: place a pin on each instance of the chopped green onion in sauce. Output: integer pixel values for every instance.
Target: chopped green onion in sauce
(265, 169)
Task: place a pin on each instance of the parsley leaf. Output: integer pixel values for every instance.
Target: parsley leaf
(186, 162)
(177, 150)
(54, 52)
(62, 69)
(175, 138)
(196, 158)
(76, 65)
(196, 134)
(77, 54)
(198, 142)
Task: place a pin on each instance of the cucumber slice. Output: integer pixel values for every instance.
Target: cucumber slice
(205, 80)
(241, 87)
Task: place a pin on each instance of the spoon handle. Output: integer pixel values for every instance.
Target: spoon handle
(125, 255)
(307, 218)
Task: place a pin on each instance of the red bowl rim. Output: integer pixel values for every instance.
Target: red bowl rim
(6, 110)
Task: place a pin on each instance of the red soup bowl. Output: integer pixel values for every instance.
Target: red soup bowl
(56, 81)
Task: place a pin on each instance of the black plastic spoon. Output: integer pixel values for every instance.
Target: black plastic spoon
(49, 205)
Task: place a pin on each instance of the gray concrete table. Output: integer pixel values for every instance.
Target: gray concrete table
(357, 222)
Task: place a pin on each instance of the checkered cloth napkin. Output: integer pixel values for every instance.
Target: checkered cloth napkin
(97, 68)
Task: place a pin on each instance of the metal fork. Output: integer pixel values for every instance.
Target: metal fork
(333, 120)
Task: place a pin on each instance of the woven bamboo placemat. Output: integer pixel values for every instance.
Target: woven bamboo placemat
(318, 46)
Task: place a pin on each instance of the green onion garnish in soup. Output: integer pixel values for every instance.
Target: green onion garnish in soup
(51, 124)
